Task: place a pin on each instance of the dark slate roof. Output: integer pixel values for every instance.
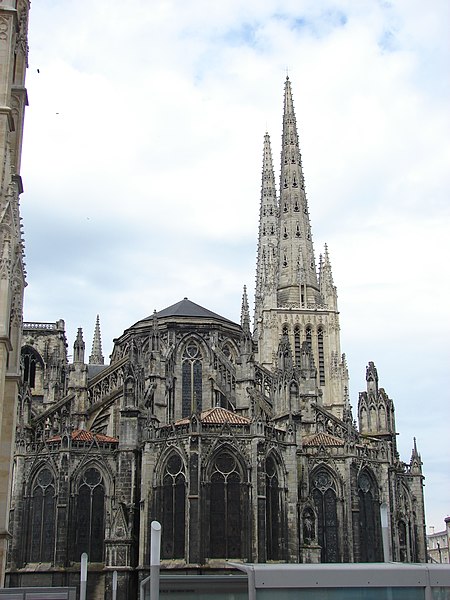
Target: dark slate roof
(186, 308)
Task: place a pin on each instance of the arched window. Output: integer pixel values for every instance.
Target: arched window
(324, 495)
(403, 541)
(90, 516)
(192, 380)
(308, 333)
(42, 518)
(30, 362)
(273, 512)
(369, 520)
(228, 507)
(173, 507)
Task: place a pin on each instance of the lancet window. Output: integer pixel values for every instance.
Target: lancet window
(325, 500)
(273, 512)
(42, 518)
(192, 380)
(173, 508)
(90, 516)
(30, 362)
(369, 520)
(228, 507)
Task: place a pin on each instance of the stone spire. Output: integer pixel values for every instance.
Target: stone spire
(267, 256)
(245, 314)
(297, 276)
(326, 285)
(97, 358)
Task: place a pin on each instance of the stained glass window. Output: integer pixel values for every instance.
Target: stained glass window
(273, 512)
(227, 497)
(173, 509)
(369, 520)
(192, 380)
(90, 516)
(42, 518)
(324, 495)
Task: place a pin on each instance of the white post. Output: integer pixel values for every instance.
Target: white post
(83, 576)
(114, 585)
(384, 514)
(155, 551)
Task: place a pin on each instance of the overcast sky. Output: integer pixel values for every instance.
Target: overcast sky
(142, 170)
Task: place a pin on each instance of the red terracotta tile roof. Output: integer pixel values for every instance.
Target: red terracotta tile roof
(319, 439)
(218, 416)
(81, 435)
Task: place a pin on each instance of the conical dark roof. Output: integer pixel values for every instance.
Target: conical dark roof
(187, 308)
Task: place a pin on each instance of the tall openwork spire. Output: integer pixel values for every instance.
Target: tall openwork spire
(268, 230)
(297, 276)
(97, 358)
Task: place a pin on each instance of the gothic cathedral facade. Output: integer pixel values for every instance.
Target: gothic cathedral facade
(239, 439)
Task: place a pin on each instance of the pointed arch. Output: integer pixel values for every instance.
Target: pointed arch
(227, 505)
(32, 365)
(42, 515)
(170, 504)
(369, 518)
(192, 352)
(90, 486)
(275, 508)
(324, 486)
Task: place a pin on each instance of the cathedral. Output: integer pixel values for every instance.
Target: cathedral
(239, 438)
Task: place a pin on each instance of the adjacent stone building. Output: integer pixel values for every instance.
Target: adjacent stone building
(438, 545)
(239, 439)
(13, 98)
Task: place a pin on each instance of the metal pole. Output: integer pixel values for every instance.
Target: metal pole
(83, 576)
(155, 551)
(385, 532)
(114, 585)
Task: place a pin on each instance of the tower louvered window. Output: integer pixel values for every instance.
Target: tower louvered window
(173, 507)
(297, 345)
(192, 380)
(321, 356)
(228, 501)
(90, 516)
(309, 336)
(42, 518)
(369, 520)
(324, 496)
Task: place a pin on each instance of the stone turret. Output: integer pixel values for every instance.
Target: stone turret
(78, 380)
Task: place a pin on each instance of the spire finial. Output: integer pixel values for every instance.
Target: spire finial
(245, 315)
(97, 358)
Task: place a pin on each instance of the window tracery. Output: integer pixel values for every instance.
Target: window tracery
(273, 512)
(42, 518)
(369, 520)
(90, 516)
(173, 498)
(325, 500)
(228, 498)
(191, 379)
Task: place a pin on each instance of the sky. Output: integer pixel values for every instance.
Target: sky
(142, 159)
